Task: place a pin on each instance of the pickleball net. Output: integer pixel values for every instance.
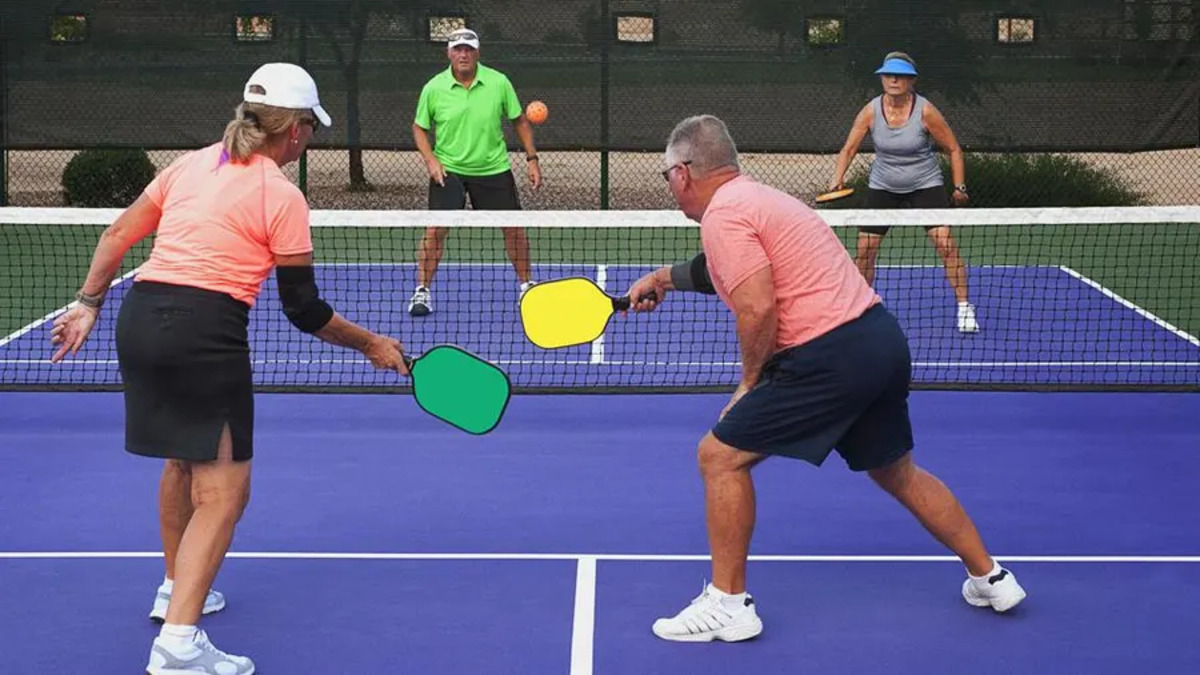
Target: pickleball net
(1065, 298)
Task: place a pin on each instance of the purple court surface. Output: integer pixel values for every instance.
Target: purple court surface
(380, 540)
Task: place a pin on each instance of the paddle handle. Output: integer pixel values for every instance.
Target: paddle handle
(622, 303)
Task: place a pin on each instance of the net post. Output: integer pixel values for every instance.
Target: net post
(609, 28)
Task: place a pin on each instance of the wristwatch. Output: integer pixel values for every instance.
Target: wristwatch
(93, 301)
(961, 188)
(531, 158)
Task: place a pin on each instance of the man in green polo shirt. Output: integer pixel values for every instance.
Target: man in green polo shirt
(465, 105)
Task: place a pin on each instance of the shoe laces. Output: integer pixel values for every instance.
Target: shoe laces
(705, 612)
(202, 642)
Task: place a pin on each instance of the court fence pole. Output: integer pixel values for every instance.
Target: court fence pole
(607, 29)
(3, 115)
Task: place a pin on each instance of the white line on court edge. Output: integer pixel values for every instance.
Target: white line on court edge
(1144, 313)
(583, 631)
(53, 315)
(632, 557)
(597, 355)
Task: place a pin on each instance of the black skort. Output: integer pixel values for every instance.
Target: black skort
(928, 198)
(845, 390)
(185, 366)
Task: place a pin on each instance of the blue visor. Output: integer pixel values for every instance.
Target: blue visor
(896, 67)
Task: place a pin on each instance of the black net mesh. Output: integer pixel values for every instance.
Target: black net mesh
(1061, 301)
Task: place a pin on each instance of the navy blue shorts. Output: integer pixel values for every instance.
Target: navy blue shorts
(846, 390)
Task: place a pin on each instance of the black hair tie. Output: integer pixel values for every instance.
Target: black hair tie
(252, 118)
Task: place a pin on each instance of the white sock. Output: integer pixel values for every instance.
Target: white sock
(730, 601)
(175, 635)
(168, 585)
(964, 303)
(982, 581)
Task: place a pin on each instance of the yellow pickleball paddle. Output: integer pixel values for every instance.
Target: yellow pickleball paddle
(567, 312)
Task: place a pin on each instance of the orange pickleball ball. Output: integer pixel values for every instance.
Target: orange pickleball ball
(536, 112)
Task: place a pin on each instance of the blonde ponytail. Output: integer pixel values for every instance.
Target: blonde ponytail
(243, 135)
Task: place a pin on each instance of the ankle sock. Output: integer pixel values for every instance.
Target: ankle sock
(730, 601)
(983, 580)
(175, 635)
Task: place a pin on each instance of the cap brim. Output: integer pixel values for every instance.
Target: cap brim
(322, 116)
(896, 69)
(470, 43)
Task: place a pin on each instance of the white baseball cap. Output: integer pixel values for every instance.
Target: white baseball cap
(286, 85)
(463, 36)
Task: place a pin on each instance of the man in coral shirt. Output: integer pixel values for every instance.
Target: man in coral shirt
(825, 367)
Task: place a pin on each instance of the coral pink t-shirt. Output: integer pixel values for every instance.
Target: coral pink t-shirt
(223, 223)
(749, 226)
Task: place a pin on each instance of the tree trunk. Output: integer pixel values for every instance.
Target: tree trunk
(358, 176)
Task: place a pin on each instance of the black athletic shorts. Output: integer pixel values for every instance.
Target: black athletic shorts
(497, 192)
(185, 367)
(846, 390)
(928, 198)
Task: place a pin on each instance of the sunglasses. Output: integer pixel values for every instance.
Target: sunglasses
(667, 173)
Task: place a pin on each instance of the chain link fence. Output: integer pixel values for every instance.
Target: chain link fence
(1110, 88)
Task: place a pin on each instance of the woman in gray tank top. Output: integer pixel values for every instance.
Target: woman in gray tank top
(904, 127)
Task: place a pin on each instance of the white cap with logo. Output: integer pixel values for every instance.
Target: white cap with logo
(463, 36)
(286, 85)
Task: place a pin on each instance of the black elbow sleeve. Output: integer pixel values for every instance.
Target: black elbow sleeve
(302, 303)
(693, 276)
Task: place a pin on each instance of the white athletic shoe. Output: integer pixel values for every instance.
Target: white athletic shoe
(999, 591)
(966, 318)
(421, 302)
(708, 618)
(198, 657)
(524, 289)
(213, 602)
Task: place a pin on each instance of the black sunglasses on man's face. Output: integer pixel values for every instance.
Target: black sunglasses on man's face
(667, 173)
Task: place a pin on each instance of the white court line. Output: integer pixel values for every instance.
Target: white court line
(676, 364)
(618, 557)
(583, 631)
(1142, 312)
(53, 315)
(597, 355)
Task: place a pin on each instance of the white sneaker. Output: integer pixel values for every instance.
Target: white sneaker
(213, 602)
(999, 591)
(966, 318)
(421, 302)
(527, 285)
(708, 618)
(198, 657)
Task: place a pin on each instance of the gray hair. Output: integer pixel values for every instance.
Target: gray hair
(705, 141)
(902, 56)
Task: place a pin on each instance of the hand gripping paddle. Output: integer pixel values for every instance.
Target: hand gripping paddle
(567, 312)
(460, 388)
(834, 195)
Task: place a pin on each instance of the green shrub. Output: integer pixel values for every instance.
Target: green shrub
(1018, 180)
(106, 178)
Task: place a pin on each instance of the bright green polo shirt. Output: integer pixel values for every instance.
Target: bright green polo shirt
(469, 138)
